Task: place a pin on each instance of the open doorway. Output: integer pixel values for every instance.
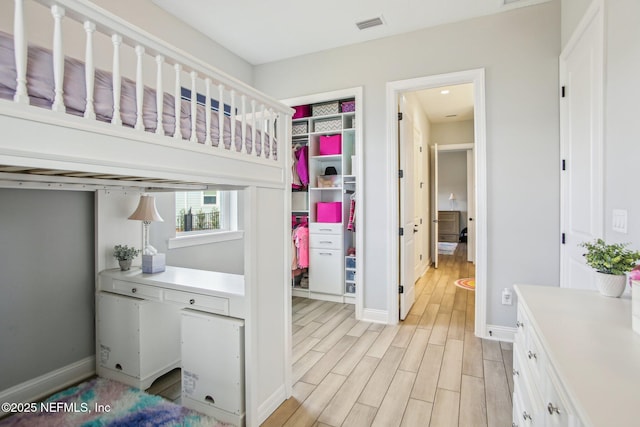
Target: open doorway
(417, 159)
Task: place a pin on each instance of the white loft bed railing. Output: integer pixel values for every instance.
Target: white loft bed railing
(244, 151)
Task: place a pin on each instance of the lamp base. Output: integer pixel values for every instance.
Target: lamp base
(153, 263)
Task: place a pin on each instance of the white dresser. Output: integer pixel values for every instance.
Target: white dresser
(576, 360)
(149, 324)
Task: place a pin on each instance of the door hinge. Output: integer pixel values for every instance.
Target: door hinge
(564, 165)
(400, 173)
(564, 238)
(401, 231)
(420, 257)
(401, 289)
(564, 92)
(399, 116)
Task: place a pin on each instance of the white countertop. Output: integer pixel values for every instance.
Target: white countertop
(590, 343)
(185, 279)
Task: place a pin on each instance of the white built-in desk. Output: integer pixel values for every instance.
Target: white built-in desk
(149, 324)
(576, 359)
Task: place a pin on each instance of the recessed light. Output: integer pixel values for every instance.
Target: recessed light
(445, 91)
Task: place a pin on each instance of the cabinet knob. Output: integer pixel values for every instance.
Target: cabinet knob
(532, 355)
(519, 324)
(134, 290)
(514, 425)
(553, 409)
(525, 416)
(515, 373)
(192, 301)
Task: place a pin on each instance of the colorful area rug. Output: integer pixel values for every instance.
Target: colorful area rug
(446, 248)
(469, 284)
(101, 402)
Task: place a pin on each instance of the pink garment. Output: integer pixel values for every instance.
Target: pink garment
(351, 225)
(301, 236)
(301, 165)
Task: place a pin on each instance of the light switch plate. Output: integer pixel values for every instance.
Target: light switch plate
(619, 221)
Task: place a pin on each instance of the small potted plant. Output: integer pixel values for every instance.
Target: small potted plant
(124, 255)
(611, 262)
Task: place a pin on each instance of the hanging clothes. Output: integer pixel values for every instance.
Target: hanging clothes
(351, 225)
(299, 167)
(301, 239)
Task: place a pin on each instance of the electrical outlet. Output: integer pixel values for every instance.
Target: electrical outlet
(507, 297)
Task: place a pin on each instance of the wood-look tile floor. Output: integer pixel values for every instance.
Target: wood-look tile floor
(430, 370)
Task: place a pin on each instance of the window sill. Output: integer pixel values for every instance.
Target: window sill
(204, 239)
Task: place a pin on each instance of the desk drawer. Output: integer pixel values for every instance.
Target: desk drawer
(206, 303)
(136, 290)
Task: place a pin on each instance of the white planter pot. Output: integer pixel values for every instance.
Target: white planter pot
(611, 285)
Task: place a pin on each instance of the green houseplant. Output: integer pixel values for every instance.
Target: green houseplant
(611, 262)
(125, 254)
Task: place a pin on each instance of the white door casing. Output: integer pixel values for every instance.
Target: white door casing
(581, 147)
(407, 215)
(420, 235)
(436, 226)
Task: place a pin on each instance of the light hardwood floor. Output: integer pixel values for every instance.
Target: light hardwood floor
(429, 370)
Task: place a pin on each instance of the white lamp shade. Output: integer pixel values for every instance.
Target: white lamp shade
(146, 210)
(452, 196)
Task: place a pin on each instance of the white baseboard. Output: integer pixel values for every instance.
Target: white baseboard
(375, 316)
(51, 382)
(500, 333)
(271, 404)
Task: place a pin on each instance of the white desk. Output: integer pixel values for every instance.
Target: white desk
(138, 332)
(585, 359)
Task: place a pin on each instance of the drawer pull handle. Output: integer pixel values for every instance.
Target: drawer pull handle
(525, 416)
(192, 301)
(134, 290)
(325, 229)
(519, 324)
(553, 409)
(325, 242)
(532, 355)
(514, 425)
(209, 399)
(325, 253)
(515, 373)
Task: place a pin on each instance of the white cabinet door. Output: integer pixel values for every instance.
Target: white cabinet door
(326, 273)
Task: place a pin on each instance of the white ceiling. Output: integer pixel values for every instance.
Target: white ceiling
(262, 31)
(454, 106)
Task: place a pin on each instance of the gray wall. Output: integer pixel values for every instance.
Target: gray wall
(453, 133)
(519, 50)
(452, 178)
(46, 281)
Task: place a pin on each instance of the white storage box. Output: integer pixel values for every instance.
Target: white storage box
(325, 108)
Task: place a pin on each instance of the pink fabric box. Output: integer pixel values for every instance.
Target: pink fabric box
(348, 106)
(329, 212)
(301, 111)
(330, 144)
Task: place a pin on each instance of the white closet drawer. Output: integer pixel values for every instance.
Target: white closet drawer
(559, 412)
(136, 290)
(326, 272)
(328, 241)
(327, 228)
(206, 303)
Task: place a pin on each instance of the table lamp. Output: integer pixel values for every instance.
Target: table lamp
(452, 200)
(152, 261)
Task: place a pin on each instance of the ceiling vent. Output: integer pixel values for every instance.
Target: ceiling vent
(374, 22)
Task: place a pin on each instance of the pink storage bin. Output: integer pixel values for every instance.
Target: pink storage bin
(301, 111)
(329, 212)
(330, 144)
(348, 106)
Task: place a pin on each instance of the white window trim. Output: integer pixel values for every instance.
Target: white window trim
(228, 226)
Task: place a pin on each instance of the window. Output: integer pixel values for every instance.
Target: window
(209, 198)
(207, 211)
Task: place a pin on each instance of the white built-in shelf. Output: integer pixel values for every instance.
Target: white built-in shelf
(330, 157)
(325, 188)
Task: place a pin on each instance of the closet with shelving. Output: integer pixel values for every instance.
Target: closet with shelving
(326, 196)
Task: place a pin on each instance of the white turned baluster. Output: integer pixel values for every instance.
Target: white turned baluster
(58, 60)
(267, 150)
(272, 136)
(243, 107)
(233, 119)
(178, 104)
(221, 116)
(253, 125)
(207, 111)
(194, 107)
(262, 130)
(159, 95)
(117, 84)
(20, 53)
(139, 89)
(89, 71)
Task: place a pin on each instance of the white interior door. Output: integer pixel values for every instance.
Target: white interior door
(420, 231)
(471, 206)
(407, 216)
(434, 215)
(581, 74)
